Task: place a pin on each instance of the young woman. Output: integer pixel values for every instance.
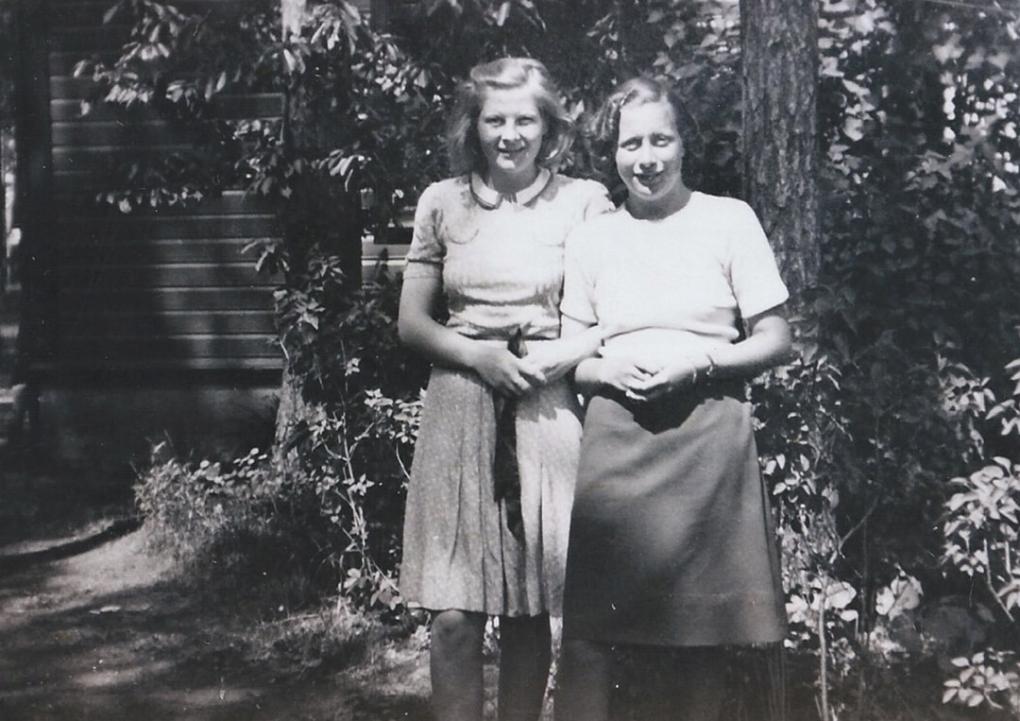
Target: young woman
(490, 242)
(671, 540)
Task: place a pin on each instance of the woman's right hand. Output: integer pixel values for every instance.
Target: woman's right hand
(504, 371)
(625, 375)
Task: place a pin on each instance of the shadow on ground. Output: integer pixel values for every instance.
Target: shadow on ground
(104, 635)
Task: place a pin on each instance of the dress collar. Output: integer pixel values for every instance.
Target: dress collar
(490, 198)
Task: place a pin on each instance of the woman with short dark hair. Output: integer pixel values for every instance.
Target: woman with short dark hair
(671, 540)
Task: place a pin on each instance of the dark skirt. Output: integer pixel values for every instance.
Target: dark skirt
(672, 538)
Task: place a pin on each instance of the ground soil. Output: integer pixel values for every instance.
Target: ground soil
(108, 634)
(96, 626)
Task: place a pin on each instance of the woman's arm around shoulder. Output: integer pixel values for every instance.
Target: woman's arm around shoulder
(580, 336)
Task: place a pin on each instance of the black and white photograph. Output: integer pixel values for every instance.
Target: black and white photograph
(510, 360)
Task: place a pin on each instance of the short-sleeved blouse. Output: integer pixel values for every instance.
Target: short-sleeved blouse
(500, 258)
(675, 284)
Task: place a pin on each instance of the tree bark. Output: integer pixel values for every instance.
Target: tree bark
(779, 43)
(292, 408)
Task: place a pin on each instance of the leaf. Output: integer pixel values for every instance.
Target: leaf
(996, 411)
(957, 501)
(853, 128)
(503, 14)
(111, 13)
(289, 60)
(105, 610)
(830, 68)
(840, 595)
(999, 60)
(949, 50)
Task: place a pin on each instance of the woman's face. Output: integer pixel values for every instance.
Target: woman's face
(649, 152)
(510, 131)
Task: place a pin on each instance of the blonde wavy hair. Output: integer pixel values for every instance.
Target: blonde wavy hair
(462, 144)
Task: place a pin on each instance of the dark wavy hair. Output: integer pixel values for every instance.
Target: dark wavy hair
(462, 144)
(605, 125)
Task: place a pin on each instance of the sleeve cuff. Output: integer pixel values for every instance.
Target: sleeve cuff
(577, 315)
(422, 269)
(757, 306)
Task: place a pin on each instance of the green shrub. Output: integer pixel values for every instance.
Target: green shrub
(338, 513)
(233, 527)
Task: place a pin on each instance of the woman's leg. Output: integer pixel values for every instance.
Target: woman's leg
(456, 665)
(584, 682)
(701, 682)
(525, 654)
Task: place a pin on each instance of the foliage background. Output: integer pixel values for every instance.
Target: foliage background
(891, 444)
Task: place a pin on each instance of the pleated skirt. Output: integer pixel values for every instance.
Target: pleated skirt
(672, 537)
(458, 552)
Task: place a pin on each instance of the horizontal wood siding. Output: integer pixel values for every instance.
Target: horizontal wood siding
(176, 323)
(159, 289)
(112, 132)
(172, 250)
(155, 225)
(93, 300)
(164, 347)
(230, 107)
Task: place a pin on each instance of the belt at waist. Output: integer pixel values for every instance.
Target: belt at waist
(714, 388)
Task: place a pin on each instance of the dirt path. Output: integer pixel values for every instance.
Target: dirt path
(105, 635)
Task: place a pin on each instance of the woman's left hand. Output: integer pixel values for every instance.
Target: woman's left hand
(673, 376)
(767, 344)
(551, 360)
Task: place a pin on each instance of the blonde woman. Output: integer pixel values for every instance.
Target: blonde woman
(489, 242)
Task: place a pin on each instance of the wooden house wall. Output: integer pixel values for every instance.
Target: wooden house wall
(152, 289)
(140, 326)
(158, 289)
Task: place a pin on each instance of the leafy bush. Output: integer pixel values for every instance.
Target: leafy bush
(234, 527)
(188, 505)
(340, 515)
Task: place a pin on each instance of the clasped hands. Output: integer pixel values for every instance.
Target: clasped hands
(512, 376)
(643, 381)
(638, 380)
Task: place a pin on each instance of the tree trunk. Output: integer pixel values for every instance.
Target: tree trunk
(3, 205)
(779, 42)
(293, 408)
